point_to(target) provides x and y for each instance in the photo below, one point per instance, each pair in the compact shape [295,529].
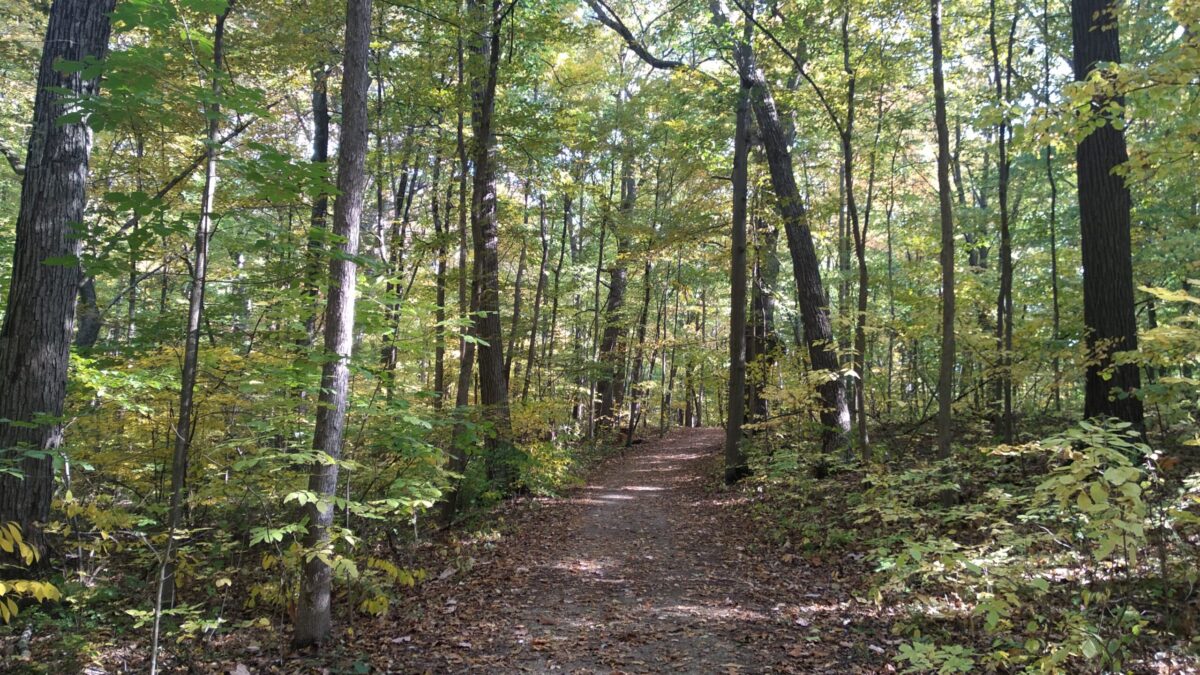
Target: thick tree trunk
[945,390]
[35,340]
[1104,221]
[611,383]
[483,65]
[736,466]
[313,622]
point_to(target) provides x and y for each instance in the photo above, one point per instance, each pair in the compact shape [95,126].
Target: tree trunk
[320,205]
[635,373]
[191,348]
[945,390]
[1004,300]
[611,356]
[537,301]
[483,65]
[736,466]
[439,355]
[1049,154]
[35,340]
[562,251]
[457,453]
[313,622]
[1104,221]
[814,305]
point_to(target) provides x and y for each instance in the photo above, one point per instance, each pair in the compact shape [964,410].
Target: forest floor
[651,566]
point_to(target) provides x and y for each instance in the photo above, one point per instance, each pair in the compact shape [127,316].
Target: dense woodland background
[295,286]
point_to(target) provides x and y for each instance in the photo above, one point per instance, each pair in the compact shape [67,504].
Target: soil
[652,566]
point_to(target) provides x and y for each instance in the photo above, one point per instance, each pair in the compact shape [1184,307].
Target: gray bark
[313,622]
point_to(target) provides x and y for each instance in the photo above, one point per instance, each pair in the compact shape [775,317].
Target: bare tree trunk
[35,340]
[313,621]
[191,348]
[457,460]
[1004,300]
[1104,219]
[945,390]
[736,466]
[537,300]
[635,374]
[562,251]
[483,66]
[611,356]
[814,305]
[516,313]
[1049,153]
[439,356]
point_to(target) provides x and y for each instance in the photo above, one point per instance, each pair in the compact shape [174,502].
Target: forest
[729,336]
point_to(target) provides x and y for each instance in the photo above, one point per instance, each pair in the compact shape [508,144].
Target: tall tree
[483,66]
[35,340]
[945,388]
[182,433]
[806,269]
[736,466]
[1104,222]
[313,622]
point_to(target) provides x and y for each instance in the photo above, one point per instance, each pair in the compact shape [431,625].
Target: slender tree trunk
[635,378]
[1056,334]
[35,340]
[736,466]
[1004,300]
[945,390]
[457,460]
[891,277]
[191,349]
[313,622]
[439,356]
[537,300]
[562,251]
[1104,219]
[516,314]
[814,305]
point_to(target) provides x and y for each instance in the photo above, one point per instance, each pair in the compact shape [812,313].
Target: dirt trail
[641,570]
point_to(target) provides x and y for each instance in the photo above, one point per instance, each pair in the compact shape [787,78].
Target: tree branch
[837,123]
[14,160]
[609,18]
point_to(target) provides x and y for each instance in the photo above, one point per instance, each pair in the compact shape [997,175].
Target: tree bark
[439,229]
[537,301]
[191,348]
[1104,223]
[736,466]
[814,305]
[611,355]
[945,390]
[483,66]
[35,340]
[313,622]
[1002,76]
